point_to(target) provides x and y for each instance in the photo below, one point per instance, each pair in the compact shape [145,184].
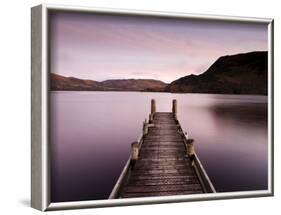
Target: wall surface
[15,105]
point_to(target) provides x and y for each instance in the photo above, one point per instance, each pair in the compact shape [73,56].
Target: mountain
[135,84]
[235,74]
[59,82]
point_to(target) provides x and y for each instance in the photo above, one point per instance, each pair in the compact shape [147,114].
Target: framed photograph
[140,107]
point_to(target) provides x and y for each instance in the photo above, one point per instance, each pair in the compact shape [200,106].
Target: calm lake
[91,134]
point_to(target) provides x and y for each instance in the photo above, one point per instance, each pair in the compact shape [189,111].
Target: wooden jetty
[163,161]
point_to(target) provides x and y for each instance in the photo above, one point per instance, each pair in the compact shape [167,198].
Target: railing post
[134,151]
[190,151]
[153,106]
[174,109]
[145,127]
[150,118]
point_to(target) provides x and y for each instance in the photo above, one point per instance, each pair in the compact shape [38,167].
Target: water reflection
[253,114]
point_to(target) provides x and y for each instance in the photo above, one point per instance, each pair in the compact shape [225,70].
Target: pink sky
[101,47]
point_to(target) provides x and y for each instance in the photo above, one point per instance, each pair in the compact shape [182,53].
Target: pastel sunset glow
[102,47]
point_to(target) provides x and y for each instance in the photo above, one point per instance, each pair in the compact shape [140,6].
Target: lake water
[91,134]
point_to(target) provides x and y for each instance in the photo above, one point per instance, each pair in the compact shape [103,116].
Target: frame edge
[271,71]
[36,111]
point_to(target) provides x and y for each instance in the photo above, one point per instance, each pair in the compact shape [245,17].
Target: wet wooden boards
[162,168]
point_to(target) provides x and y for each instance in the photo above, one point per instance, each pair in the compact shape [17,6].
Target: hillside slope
[235,74]
[59,82]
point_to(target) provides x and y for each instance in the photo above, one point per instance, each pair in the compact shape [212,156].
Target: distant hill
[235,74]
[135,84]
[59,82]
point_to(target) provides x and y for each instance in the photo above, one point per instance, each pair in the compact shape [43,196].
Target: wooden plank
[175,159]
[167,165]
[151,194]
[163,138]
[160,167]
[163,157]
[166,131]
[162,171]
[163,122]
[149,147]
[161,181]
[162,143]
[162,177]
[166,126]
[149,144]
[162,151]
[146,163]
[162,174]
[161,188]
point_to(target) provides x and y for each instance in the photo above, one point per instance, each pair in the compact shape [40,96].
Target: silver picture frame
[40,149]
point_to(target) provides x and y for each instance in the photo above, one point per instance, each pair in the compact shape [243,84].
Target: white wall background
[15,105]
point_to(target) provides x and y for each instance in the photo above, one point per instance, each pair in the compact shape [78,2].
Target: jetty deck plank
[162,168]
